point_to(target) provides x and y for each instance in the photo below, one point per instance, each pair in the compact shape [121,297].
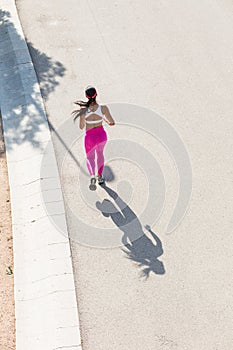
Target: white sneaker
[92,185]
[100,179]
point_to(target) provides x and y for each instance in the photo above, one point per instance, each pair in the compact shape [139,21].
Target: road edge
[46,308]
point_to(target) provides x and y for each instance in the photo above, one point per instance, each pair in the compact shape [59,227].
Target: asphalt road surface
[164,68]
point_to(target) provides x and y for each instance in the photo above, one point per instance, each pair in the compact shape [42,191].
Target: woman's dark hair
[91,94]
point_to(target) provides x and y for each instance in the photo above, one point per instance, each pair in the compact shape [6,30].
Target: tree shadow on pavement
[139,247]
[24,120]
[47,70]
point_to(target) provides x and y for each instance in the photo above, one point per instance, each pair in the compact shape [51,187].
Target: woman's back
[94,116]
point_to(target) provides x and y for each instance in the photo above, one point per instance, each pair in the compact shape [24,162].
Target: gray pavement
[174,58]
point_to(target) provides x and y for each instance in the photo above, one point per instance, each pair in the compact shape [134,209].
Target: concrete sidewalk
[45,300]
[173,58]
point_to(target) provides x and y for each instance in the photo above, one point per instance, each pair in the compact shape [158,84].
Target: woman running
[92,115]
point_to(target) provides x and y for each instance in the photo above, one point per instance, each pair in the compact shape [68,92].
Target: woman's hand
[108,122]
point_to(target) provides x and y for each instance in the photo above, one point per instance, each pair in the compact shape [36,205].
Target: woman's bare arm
[109,119]
[82,121]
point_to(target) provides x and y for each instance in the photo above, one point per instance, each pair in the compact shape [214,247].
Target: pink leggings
[95,140]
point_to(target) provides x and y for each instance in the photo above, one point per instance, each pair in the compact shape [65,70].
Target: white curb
[45,299]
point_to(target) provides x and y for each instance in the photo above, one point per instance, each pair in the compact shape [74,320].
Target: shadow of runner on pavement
[24,121]
[139,247]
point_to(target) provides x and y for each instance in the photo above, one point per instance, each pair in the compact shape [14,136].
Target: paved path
[174,58]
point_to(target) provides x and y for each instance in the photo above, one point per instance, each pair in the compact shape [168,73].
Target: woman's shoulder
[104,108]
